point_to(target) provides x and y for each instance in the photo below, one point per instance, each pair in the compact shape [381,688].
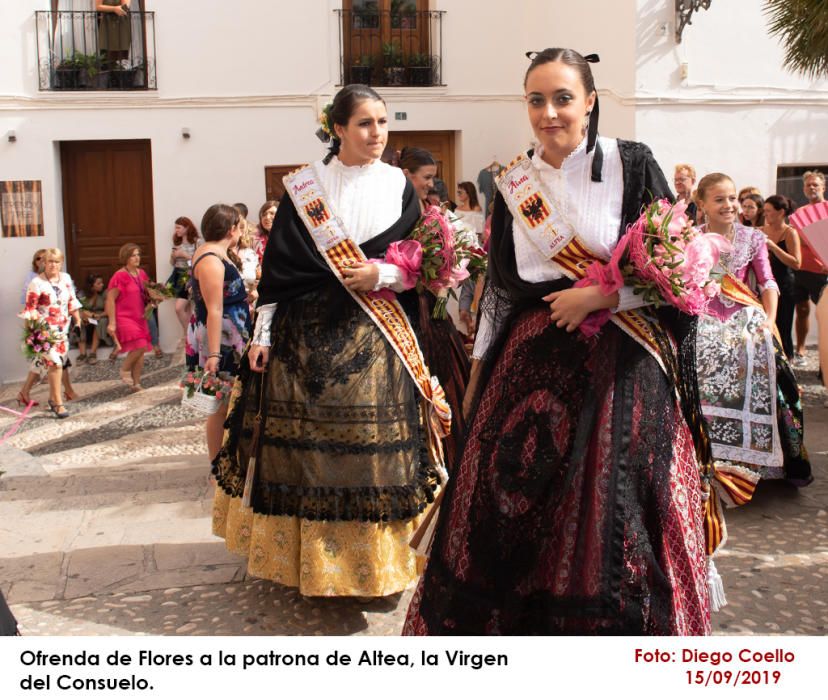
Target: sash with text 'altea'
[541,218]
[340,252]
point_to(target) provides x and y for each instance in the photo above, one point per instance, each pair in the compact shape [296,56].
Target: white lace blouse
[368,200]
[594,208]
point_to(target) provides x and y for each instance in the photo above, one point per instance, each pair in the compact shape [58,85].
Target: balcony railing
[397,49]
[96,51]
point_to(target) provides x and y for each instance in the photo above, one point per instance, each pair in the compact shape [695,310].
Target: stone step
[143,527]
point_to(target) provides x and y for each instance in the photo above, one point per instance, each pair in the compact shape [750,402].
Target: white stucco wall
[738,111]
[248,78]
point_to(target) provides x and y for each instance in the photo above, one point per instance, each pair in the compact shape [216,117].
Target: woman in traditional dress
[576,507]
[51,298]
[749,393]
[441,343]
[340,466]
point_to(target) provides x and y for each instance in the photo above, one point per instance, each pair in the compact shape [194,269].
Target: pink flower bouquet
[38,340]
[664,259]
[218,385]
[437,258]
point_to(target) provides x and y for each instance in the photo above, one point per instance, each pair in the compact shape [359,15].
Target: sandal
[92,359]
[159,352]
[70,395]
[62,413]
[113,355]
[81,357]
[26,400]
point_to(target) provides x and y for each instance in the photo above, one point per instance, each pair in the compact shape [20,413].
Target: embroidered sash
[738,291]
[543,221]
[340,252]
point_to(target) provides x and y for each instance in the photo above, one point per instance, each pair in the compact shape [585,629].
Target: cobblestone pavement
[106,530]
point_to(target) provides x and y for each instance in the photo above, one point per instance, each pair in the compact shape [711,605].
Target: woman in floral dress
[749,393]
[50,297]
[220,325]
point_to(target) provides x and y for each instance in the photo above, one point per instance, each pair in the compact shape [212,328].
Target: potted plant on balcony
[420,69]
[392,62]
[122,77]
[362,69]
[68,73]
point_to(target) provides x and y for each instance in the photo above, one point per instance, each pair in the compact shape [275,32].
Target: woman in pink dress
[125,303]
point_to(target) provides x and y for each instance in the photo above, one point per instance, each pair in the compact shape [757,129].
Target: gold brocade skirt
[320,558]
[343,475]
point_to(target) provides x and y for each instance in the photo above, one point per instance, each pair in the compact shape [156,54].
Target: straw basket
[201,402]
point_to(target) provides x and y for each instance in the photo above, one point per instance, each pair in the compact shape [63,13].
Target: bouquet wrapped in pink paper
[437,257]
[664,259]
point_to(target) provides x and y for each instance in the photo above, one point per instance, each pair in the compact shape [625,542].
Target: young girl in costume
[749,394]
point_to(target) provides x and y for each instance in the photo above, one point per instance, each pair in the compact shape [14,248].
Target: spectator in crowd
[93,318]
[808,285]
[220,326]
[126,301]
[267,213]
[23,396]
[248,264]
[244,224]
[185,241]
[745,191]
[114,31]
[753,213]
[468,208]
[684,179]
[785,257]
[51,298]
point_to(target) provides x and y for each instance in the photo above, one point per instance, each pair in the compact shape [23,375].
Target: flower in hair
[326,132]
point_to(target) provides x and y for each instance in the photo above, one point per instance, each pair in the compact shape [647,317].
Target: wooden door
[274,187]
[439,143]
[107,201]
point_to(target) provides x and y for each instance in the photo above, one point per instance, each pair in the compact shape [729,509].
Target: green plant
[419,60]
[365,61]
[802,27]
[392,56]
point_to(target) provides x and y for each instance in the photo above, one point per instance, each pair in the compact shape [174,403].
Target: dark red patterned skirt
[576,507]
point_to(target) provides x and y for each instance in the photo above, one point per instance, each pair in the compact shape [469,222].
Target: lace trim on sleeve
[264,319]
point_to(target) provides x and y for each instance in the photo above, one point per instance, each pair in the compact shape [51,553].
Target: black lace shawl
[292,266]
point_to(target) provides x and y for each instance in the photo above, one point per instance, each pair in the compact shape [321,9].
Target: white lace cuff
[769,284]
[264,318]
[483,338]
[628,299]
[389,276]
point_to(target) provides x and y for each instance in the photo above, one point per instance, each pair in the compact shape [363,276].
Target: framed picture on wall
[21,208]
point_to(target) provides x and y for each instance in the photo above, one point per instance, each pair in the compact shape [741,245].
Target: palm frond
[802,26]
